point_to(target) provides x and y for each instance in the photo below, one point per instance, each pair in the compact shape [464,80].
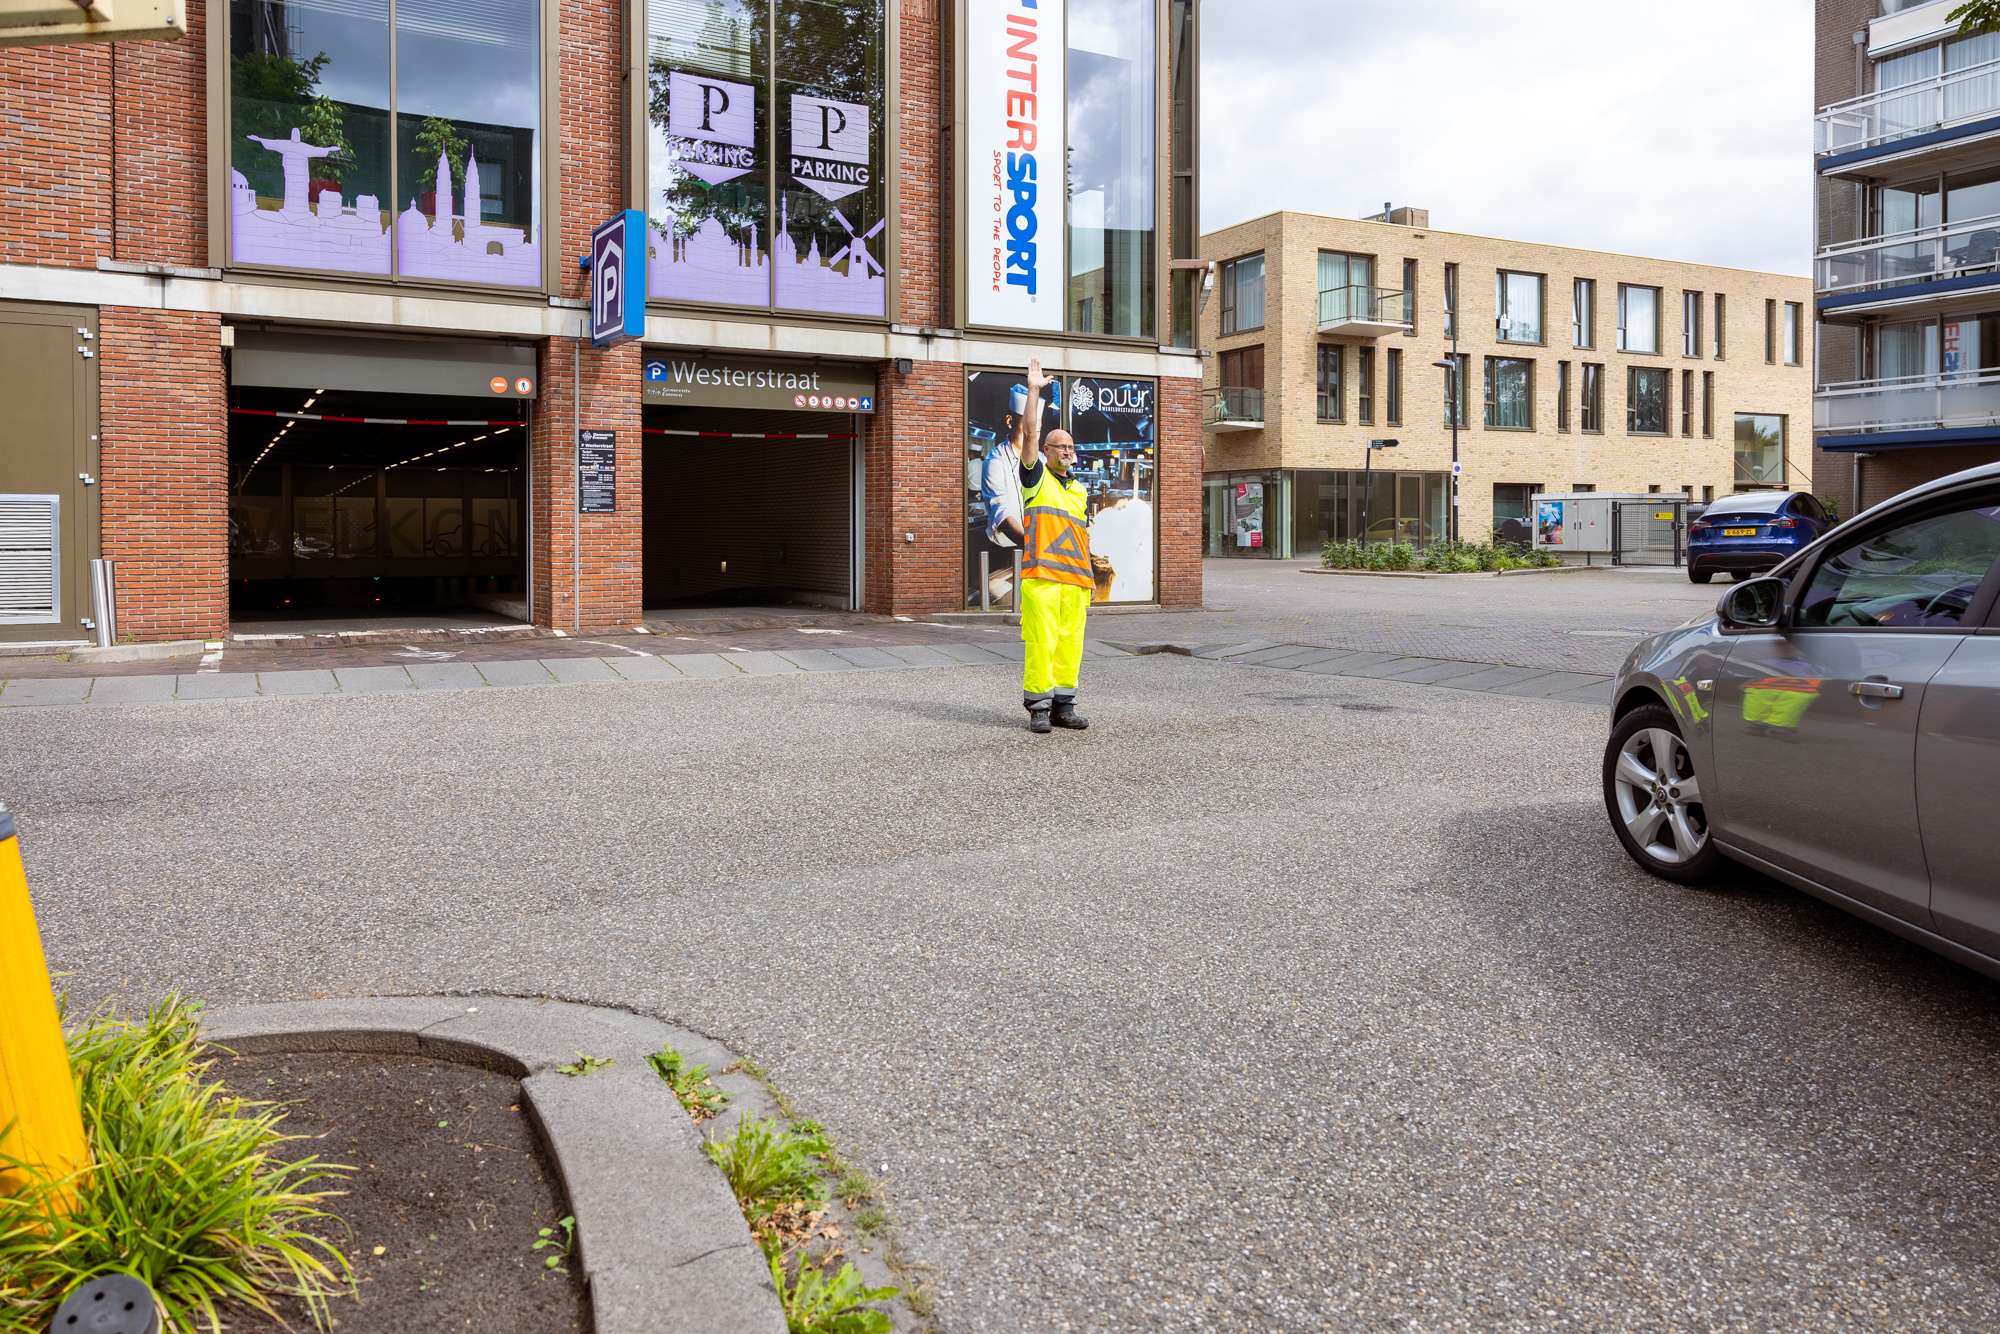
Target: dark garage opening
[354,505]
[749,509]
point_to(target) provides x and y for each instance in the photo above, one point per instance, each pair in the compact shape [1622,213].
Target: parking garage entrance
[377,482]
[753,483]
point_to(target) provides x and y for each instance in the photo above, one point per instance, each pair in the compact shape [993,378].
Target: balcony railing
[1362,311]
[1915,108]
[1923,254]
[1232,409]
[1909,403]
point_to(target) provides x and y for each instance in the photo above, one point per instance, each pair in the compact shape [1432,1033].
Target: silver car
[1836,724]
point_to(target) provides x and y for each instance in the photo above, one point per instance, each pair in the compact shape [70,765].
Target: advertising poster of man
[1113,422]
[994,402]
[1246,514]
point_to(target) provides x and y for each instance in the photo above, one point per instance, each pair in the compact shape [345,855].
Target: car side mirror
[1757,604]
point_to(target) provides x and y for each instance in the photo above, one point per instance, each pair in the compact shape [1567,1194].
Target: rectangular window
[1690,324]
[1332,393]
[1242,295]
[1455,389]
[1513,505]
[1364,386]
[314,184]
[1510,393]
[1591,417]
[1562,396]
[1410,295]
[1450,301]
[1394,388]
[1517,306]
[1687,403]
[1792,311]
[1653,490]
[764,182]
[1771,333]
[1708,495]
[1243,368]
[1638,318]
[1583,312]
[1646,400]
[1112,162]
[1721,323]
[1708,405]
[1760,449]
[1583,488]
[1347,287]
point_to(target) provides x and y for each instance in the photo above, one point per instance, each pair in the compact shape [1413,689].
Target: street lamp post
[1451,401]
[1367,477]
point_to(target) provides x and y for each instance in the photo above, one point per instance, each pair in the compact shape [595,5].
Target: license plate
[1739,532]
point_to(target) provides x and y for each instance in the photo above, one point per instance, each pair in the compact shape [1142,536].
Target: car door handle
[1875,690]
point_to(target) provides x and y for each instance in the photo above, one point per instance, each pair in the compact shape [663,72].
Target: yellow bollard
[40,1121]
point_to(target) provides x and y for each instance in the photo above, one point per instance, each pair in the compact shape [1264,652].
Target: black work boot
[1038,719]
[1065,715]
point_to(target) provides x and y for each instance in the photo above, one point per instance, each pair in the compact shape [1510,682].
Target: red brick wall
[164,471]
[160,126]
[919,193]
[55,155]
[612,568]
[592,150]
[915,451]
[1180,492]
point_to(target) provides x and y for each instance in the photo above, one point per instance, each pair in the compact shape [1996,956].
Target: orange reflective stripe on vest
[1058,544]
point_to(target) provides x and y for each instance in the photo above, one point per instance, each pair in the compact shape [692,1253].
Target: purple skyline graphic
[457,244]
[709,264]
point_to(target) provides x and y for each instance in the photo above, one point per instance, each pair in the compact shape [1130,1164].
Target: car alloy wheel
[1658,797]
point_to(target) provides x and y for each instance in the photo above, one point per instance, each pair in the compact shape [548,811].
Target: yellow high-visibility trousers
[40,1122]
[1052,616]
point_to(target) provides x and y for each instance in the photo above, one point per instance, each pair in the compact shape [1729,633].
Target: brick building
[1576,370]
[293,324]
[1907,276]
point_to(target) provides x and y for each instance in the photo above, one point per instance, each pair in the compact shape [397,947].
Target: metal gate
[1649,532]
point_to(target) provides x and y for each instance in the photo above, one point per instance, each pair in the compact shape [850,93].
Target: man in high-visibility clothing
[1056,579]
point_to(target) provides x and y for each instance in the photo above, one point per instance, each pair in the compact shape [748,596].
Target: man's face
[1061,450]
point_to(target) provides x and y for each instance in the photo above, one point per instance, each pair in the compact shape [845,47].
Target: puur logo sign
[712,124]
[1082,398]
[829,146]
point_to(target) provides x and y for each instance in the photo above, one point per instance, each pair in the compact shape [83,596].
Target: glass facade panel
[1592,417]
[310,184]
[1760,449]
[1583,312]
[708,149]
[468,98]
[1340,505]
[1393,388]
[1456,389]
[1112,166]
[1332,392]
[1243,294]
[1346,285]
[830,238]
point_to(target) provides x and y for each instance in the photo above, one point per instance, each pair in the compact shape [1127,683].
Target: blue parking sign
[618,279]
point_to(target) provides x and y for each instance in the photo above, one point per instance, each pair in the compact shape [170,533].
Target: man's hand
[1037,381]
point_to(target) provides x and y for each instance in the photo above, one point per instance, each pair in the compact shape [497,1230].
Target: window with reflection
[313,183]
[1646,392]
[1509,393]
[1113,178]
[1517,305]
[764,185]
[1638,318]
[1760,449]
[1243,294]
[1919,575]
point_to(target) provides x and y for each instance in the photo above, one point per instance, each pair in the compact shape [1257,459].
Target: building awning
[473,368]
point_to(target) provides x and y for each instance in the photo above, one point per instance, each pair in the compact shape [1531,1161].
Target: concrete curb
[1449,574]
[168,648]
[661,1241]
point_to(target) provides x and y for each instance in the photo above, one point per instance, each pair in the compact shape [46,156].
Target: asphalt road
[1274,1001]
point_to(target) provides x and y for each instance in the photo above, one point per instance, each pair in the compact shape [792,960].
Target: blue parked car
[1749,533]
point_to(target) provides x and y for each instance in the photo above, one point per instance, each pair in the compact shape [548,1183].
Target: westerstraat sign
[829,146]
[699,380]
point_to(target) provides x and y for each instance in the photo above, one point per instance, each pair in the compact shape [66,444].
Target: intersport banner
[1014,163]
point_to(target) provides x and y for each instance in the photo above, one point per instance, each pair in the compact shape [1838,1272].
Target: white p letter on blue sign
[618,279]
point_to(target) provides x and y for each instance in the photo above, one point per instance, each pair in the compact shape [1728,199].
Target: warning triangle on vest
[1065,545]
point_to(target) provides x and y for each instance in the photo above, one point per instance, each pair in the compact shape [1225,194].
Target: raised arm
[1028,431]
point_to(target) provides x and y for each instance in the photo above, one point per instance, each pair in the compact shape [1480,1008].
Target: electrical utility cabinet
[1578,523]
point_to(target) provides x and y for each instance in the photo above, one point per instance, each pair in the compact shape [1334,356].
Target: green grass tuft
[816,1304]
[188,1189]
[768,1167]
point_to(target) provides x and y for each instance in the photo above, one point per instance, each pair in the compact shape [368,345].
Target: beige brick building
[1324,333]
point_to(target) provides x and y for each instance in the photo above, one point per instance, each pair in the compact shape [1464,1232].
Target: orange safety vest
[1058,545]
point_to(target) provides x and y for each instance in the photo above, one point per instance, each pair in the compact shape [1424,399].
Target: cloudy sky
[1680,129]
